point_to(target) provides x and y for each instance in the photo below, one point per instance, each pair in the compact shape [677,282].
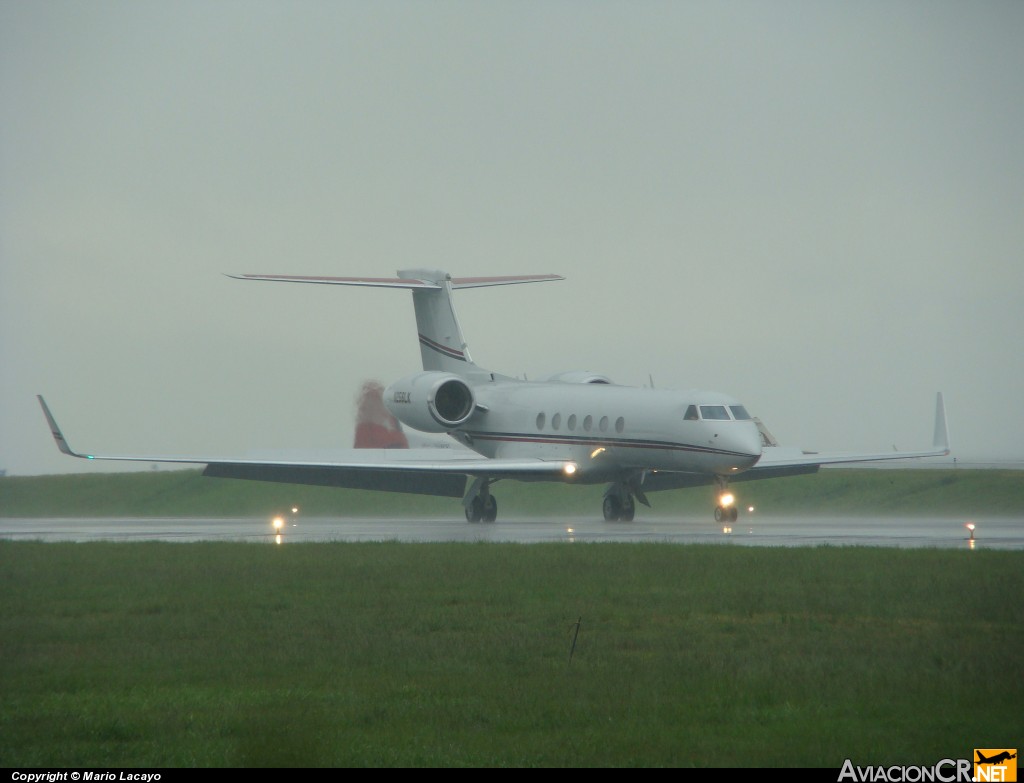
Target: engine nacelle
[578,376]
[430,401]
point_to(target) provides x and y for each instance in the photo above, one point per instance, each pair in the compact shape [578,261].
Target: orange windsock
[376,428]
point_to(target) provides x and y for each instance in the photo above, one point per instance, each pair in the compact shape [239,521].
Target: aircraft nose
[748,442]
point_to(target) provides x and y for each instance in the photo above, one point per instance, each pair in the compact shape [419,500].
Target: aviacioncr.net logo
[995,765]
[944,771]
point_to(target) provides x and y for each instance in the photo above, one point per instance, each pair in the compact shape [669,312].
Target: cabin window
[739,413]
[556,421]
[572,422]
[691,413]
[588,422]
[540,421]
[716,412]
[620,424]
[604,424]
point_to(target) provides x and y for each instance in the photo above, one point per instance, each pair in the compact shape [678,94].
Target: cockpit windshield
[716,413]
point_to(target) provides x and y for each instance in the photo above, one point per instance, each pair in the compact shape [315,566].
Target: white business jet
[575,427]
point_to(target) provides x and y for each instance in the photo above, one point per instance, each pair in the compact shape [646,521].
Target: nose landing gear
[726,510]
[726,514]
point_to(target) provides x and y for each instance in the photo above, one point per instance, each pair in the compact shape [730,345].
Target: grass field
[458,655]
[469,655]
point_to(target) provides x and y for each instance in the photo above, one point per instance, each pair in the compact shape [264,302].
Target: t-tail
[442,345]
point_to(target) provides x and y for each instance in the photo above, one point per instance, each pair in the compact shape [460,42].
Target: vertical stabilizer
[442,346]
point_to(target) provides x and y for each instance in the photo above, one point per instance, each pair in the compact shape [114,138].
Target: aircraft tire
[475,510]
[719,513]
[628,510]
[612,508]
[734,514]
[490,510]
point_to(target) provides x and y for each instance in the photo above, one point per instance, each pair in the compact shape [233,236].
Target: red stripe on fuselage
[607,442]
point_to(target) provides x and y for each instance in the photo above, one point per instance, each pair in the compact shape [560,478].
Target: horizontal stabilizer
[480,282]
[428,281]
[373,282]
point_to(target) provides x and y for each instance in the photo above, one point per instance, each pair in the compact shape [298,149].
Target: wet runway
[1006,533]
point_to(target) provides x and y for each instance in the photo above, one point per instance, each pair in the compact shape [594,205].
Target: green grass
[458,655]
[188,493]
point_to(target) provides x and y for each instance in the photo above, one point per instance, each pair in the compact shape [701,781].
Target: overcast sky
[817,207]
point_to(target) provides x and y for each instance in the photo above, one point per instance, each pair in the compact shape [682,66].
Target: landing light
[726,499]
[278,523]
[569,469]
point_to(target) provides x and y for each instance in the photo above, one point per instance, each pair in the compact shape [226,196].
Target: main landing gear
[480,504]
[618,508]
[620,500]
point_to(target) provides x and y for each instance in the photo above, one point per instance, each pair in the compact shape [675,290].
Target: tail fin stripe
[451,353]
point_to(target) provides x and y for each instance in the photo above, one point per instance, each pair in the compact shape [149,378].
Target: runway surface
[1006,533]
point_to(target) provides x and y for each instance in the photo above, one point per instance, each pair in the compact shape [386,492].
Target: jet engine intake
[430,401]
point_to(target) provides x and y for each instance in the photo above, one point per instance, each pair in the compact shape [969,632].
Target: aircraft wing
[777,460]
[423,471]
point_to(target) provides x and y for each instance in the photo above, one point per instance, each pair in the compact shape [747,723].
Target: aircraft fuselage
[606,429]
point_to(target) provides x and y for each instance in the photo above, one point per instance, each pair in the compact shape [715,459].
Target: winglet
[941,438]
[58,436]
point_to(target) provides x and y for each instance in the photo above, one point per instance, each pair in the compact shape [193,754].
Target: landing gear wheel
[612,508]
[628,509]
[723,514]
[490,512]
[618,508]
[475,510]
